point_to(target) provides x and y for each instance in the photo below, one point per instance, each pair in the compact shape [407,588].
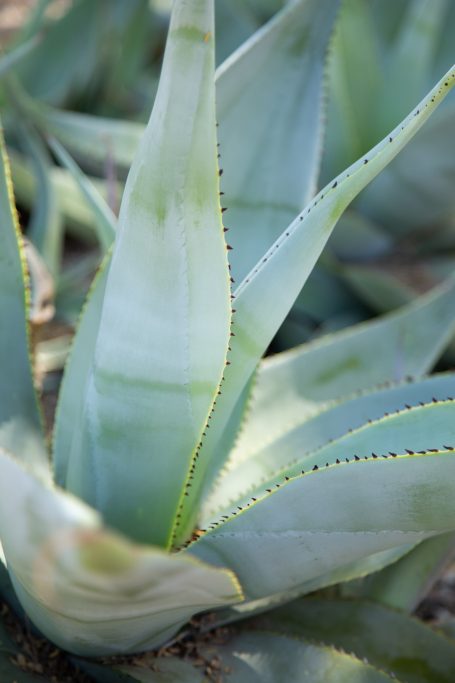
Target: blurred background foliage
[86,71]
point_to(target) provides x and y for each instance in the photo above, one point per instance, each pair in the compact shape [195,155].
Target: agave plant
[173,492]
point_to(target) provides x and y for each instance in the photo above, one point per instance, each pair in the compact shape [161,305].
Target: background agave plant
[396,241]
[176,488]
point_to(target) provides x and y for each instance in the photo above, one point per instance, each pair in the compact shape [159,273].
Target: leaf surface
[327,432]
[404,343]
[265,296]
[268,657]
[269,102]
[105,219]
[90,591]
[165,322]
[399,645]
[314,523]
[20,419]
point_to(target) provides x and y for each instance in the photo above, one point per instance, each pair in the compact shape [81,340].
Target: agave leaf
[419,183]
[48,78]
[269,96]
[146,407]
[404,584]
[262,458]
[105,219]
[46,227]
[234,23]
[17,54]
[69,415]
[314,523]
[350,116]
[265,657]
[268,657]
[405,343]
[73,286]
[379,288]
[395,643]
[90,591]
[93,137]
[77,215]
[352,570]
[261,306]
[412,53]
[395,433]
[20,419]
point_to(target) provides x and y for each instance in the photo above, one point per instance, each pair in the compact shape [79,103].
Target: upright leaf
[20,421]
[105,219]
[165,323]
[269,101]
[260,304]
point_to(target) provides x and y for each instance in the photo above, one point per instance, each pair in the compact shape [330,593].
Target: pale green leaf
[269,100]
[416,428]
[351,126]
[46,77]
[405,343]
[105,219]
[320,521]
[20,419]
[88,590]
[234,23]
[257,459]
[17,54]
[404,584]
[419,183]
[401,646]
[269,657]
[45,229]
[93,137]
[77,215]
[167,305]
[261,305]
[412,53]
[70,407]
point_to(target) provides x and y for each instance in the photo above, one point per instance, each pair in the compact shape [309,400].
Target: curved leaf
[399,645]
[261,305]
[71,400]
[88,590]
[46,226]
[273,451]
[20,419]
[105,220]
[317,522]
[404,343]
[404,584]
[263,657]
